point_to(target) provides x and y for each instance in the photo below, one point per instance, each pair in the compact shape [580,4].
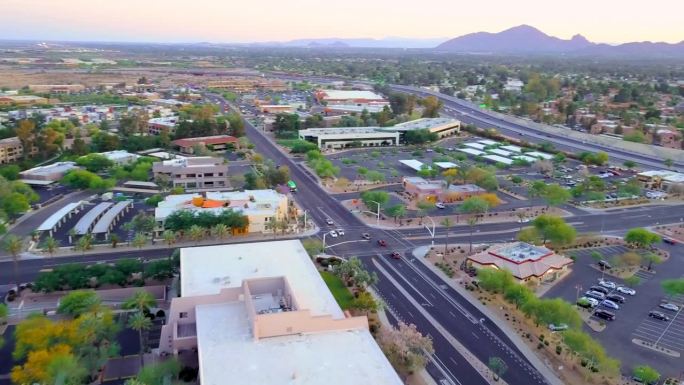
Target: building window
[183,314]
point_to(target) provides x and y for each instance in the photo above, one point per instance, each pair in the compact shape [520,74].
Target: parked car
[329,221]
[340,232]
[587,302]
[395,255]
[669,306]
[440,205]
[604,265]
[365,236]
[616,298]
[669,241]
[595,294]
[558,328]
[626,290]
[604,314]
[610,304]
[600,289]
[333,233]
[381,242]
[658,315]
[607,284]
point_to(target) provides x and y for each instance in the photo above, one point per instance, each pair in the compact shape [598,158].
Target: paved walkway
[547,372]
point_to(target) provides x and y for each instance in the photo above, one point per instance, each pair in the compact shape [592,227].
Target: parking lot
[632,320]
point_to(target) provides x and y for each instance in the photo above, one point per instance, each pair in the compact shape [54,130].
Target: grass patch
[289,143]
[342,295]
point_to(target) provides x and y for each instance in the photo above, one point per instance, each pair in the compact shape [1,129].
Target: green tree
[139,240]
[370,197]
[472,221]
[50,245]
[630,164]
[632,281]
[114,240]
[431,106]
[555,195]
[554,229]
[640,237]
[673,287]
[652,259]
[497,366]
[396,211]
[220,231]
[79,302]
[668,163]
[141,301]
[139,322]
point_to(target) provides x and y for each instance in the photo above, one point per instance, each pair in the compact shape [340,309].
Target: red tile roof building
[213,143]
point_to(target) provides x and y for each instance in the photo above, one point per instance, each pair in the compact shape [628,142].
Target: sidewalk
[548,373]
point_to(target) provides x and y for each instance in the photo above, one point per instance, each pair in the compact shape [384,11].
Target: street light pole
[377,218]
[432,233]
[324,234]
[305,220]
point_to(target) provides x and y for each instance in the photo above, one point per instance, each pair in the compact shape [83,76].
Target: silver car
[669,306]
[610,304]
[626,290]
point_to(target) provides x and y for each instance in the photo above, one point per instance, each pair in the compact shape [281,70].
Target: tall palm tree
[114,239]
[447,222]
[140,323]
[139,240]
[141,301]
[220,231]
[14,245]
[196,233]
[472,221]
[50,245]
[169,237]
[85,243]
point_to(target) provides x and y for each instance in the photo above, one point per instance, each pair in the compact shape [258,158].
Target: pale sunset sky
[225,21]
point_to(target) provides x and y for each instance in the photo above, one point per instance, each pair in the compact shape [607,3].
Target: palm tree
[50,245]
[472,221]
[169,237]
[14,245]
[196,233]
[220,231]
[114,239]
[139,240]
[141,300]
[139,322]
[283,226]
[521,216]
[85,243]
[271,225]
[447,222]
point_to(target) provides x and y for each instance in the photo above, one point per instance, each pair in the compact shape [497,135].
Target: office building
[193,174]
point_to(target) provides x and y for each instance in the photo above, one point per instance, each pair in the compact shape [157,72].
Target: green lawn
[342,295]
[289,143]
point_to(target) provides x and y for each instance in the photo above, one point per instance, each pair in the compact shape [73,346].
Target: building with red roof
[216,143]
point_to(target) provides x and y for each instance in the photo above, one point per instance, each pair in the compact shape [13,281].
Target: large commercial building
[249,84]
[344,100]
[156,126]
[11,150]
[49,173]
[443,127]
[194,174]
[22,100]
[260,314]
[526,262]
[215,143]
[261,207]
[341,137]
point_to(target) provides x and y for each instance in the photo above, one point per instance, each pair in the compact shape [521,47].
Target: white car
[523,220]
[329,221]
[669,306]
[607,284]
[440,205]
[626,290]
[610,304]
[340,232]
[333,233]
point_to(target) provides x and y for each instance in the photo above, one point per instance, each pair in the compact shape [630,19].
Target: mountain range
[525,39]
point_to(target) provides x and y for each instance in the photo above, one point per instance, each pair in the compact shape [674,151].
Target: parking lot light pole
[579,288]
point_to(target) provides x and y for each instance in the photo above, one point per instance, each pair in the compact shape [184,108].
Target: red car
[395,255]
[382,242]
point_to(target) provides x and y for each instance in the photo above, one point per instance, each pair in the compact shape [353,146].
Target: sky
[233,21]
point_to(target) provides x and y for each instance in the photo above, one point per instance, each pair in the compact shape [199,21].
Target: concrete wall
[301,322]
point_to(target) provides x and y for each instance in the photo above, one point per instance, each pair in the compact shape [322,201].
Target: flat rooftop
[522,252]
[425,123]
[350,94]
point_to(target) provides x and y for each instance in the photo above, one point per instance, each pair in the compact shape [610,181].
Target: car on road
[366,236]
[395,255]
[669,306]
[617,298]
[440,205]
[658,315]
[595,294]
[333,233]
[604,314]
[382,243]
[329,221]
[626,290]
[607,284]
[604,265]
[587,302]
[340,232]
[669,241]
[523,220]
[600,289]
[610,304]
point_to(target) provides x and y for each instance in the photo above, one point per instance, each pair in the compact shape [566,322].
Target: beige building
[56,88]
[260,314]
[194,174]
[11,150]
[261,207]
[22,100]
